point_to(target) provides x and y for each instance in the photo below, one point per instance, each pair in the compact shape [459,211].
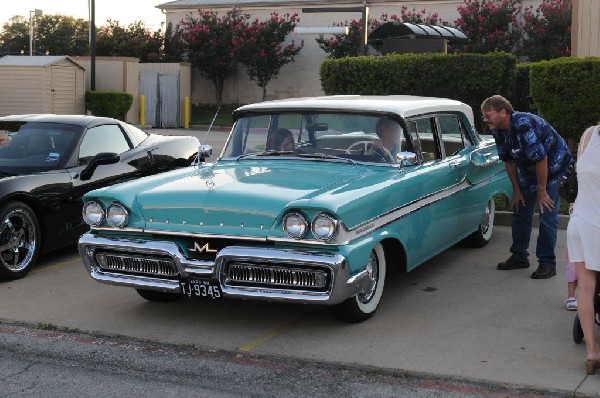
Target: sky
[124,11]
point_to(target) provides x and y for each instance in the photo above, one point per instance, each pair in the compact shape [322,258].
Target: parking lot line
[271,335]
[56,265]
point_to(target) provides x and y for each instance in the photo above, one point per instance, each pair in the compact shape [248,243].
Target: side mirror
[406,158]
[204,151]
[103,158]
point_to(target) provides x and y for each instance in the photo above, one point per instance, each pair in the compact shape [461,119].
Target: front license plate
[201,288]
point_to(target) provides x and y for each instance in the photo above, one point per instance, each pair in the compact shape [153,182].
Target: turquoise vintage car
[313,200]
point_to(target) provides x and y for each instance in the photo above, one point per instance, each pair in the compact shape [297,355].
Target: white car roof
[403,105]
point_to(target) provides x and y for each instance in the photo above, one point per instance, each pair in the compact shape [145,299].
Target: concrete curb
[503,218]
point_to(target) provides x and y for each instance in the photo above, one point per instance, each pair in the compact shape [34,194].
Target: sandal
[571,304]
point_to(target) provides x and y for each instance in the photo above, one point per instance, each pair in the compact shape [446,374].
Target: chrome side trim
[345,235]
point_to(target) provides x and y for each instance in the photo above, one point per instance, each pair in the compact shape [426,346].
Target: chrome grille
[136,264]
[266,275]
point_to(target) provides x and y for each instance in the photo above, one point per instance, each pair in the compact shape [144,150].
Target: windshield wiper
[325,156]
[265,153]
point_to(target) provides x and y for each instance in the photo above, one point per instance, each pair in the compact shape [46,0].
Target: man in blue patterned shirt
[535,157]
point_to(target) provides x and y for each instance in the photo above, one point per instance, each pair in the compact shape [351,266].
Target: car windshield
[28,147]
[326,136]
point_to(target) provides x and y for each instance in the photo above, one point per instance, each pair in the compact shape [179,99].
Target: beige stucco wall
[301,77]
[115,74]
[585,28]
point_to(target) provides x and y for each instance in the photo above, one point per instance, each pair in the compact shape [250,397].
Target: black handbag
[567,186]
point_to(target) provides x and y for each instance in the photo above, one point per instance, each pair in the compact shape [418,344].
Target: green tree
[14,37]
[62,35]
[54,35]
[174,47]
[260,48]
[211,47]
[134,41]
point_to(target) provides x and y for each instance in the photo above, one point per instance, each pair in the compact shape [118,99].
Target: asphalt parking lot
[454,316]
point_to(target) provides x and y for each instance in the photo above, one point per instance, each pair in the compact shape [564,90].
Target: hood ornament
[210,184]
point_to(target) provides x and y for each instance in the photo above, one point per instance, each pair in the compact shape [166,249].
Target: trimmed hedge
[113,104]
[522,100]
[566,92]
[469,78]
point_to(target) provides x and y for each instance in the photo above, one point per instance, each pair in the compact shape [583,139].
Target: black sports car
[47,163]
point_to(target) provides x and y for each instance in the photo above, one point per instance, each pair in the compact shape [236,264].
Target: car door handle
[455,164]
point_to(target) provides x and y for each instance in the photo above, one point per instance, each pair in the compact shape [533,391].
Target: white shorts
[583,243]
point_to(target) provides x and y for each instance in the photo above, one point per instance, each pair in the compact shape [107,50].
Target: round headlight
[295,225]
[116,215]
[324,227]
[93,214]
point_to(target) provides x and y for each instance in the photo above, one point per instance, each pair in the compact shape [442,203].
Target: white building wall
[301,77]
[585,27]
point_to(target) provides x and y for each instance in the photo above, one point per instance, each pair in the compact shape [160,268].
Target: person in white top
[583,238]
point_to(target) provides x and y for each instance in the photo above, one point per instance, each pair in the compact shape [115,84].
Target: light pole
[37,13]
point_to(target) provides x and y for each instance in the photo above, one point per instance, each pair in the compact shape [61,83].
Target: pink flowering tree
[212,45]
[339,45]
[491,25]
[260,47]
[547,31]
[136,40]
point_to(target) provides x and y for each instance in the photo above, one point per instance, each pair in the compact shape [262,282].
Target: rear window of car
[137,135]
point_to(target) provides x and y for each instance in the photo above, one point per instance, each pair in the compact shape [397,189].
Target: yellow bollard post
[186,112]
[142,110]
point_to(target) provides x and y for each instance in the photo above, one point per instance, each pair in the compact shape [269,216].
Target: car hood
[241,198]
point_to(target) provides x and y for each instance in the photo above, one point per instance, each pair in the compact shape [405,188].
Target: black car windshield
[324,136]
[27,147]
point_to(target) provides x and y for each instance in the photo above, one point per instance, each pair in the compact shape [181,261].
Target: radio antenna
[211,124]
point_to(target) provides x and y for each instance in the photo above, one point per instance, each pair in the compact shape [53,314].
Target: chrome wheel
[19,240]
[372,269]
[483,235]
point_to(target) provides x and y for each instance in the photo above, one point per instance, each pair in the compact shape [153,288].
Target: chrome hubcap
[373,273]
[485,220]
[17,241]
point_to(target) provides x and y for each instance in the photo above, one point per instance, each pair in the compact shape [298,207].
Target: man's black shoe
[513,263]
[544,271]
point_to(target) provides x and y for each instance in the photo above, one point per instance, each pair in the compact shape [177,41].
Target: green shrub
[522,100]
[108,103]
[469,78]
[566,92]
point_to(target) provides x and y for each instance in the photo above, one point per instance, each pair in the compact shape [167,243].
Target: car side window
[426,141]
[105,138]
[452,133]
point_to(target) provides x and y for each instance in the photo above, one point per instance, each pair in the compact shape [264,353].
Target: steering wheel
[356,147]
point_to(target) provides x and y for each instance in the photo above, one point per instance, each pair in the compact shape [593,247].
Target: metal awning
[406,30]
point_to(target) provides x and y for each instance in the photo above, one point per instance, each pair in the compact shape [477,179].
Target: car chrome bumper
[243,272]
